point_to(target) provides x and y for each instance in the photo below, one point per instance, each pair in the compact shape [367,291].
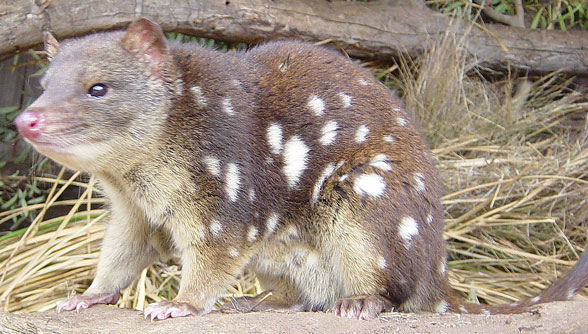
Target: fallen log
[375,29]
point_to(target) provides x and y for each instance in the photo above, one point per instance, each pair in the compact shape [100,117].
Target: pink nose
[30,124]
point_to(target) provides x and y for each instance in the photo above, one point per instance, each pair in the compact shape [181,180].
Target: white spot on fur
[283,66]
[382,262]
[345,99]
[233,252]
[343,177]
[198,96]
[380,162]
[369,184]
[318,186]
[179,87]
[363,82]
[441,307]
[212,164]
[572,293]
[329,133]
[419,183]
[295,160]
[251,195]
[317,105]
[232,181]
[400,120]
[272,222]
[361,134]
[429,219]
[274,138]
[463,309]
[442,267]
[389,139]
[252,233]
[215,228]
[408,229]
[228,106]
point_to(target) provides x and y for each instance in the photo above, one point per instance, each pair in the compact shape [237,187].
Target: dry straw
[512,167]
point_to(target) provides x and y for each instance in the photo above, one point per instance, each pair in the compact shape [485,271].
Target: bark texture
[381,28]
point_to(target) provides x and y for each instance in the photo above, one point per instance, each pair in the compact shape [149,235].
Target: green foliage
[16,193]
[19,192]
[7,131]
[457,8]
[560,14]
[563,14]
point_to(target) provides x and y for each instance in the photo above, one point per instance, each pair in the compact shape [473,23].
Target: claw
[363,307]
[81,306]
[169,309]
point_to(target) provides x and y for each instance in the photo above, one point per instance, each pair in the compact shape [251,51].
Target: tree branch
[517,20]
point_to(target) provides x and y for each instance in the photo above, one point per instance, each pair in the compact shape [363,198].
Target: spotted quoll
[287,160]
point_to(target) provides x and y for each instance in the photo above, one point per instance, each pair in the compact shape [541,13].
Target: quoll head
[104,95]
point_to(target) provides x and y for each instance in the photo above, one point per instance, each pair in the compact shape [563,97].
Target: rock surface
[560,317]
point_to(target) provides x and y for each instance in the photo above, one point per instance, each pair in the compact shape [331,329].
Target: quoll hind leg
[280,296]
[363,307]
[263,302]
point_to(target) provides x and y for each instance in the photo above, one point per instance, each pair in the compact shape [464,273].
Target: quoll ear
[51,45]
[146,40]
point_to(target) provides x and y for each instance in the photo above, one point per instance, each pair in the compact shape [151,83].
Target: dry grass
[514,171]
[514,175]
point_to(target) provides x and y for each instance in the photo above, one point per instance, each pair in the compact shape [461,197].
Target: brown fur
[227,159]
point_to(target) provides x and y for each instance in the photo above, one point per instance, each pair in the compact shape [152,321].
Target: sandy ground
[561,317]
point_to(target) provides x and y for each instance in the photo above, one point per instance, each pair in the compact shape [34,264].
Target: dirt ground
[560,317]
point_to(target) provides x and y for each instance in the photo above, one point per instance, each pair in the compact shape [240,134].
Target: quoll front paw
[362,307]
[170,309]
[85,301]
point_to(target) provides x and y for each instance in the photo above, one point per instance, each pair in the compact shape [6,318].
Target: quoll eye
[98,90]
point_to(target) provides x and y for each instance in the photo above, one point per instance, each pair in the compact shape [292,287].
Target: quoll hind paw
[81,302]
[170,309]
[362,307]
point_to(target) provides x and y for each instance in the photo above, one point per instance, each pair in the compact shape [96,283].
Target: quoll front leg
[205,276]
[125,252]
